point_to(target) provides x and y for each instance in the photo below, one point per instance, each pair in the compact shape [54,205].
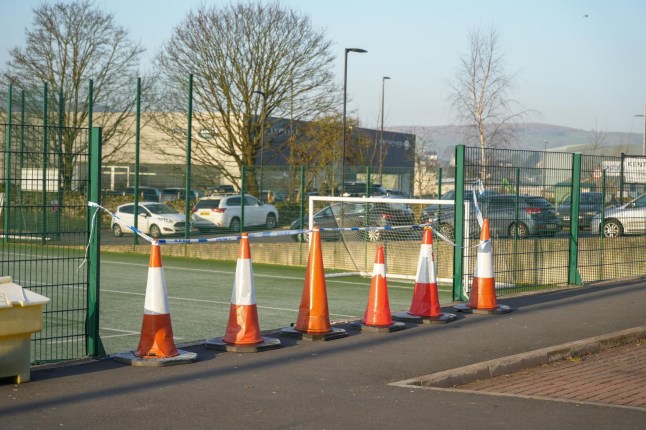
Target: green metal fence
[529,253]
[46,231]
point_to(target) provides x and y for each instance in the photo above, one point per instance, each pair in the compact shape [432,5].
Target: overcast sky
[580,64]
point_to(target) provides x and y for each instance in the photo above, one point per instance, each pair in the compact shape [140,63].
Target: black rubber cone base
[129,357]
[361,326]
[500,309]
[334,333]
[440,319]
[219,344]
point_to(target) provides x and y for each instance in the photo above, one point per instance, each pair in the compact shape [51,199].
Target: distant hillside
[533,136]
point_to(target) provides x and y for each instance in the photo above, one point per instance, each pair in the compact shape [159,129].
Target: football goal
[351,229]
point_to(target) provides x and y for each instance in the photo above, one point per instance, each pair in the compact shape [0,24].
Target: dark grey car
[536,217]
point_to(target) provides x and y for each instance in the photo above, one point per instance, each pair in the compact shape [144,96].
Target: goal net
[351,229]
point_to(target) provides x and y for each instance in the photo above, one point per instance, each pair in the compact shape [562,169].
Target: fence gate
[47,182]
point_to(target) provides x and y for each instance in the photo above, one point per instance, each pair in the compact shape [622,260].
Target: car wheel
[373,235]
[234,224]
[270,222]
[116,230]
[612,228]
[302,238]
[447,231]
[155,232]
[523,230]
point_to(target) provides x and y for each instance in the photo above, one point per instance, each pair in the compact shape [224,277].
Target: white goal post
[353,227]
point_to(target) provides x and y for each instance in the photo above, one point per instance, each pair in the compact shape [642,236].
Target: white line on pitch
[218,302]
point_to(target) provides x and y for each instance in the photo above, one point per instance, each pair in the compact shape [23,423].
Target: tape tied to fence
[264,233]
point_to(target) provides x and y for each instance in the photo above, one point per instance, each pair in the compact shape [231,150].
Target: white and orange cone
[425,306]
[243,330]
[313,322]
[378,317]
[482,298]
[156,344]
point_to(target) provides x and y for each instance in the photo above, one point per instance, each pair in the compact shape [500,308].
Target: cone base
[439,319]
[334,333]
[129,357]
[361,326]
[499,309]
[219,344]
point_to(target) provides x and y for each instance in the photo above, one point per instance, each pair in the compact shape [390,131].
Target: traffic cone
[482,298]
[378,317]
[425,306]
[313,322]
[156,344]
[243,331]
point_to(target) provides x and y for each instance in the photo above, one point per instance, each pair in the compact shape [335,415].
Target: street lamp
[262,136]
[381,145]
[644,144]
[345,101]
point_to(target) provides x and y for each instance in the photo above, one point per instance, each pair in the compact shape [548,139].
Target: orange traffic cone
[243,331]
[156,344]
[313,322]
[482,298]
[378,317]
[425,306]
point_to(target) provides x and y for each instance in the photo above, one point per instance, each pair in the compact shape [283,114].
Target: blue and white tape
[269,233]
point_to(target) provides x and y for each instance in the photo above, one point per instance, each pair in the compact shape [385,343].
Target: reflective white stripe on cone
[156,332]
[243,327]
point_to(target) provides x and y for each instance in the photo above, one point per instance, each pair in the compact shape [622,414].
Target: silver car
[625,219]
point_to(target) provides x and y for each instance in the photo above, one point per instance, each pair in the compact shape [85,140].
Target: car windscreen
[208,204]
[160,209]
[591,199]
[538,202]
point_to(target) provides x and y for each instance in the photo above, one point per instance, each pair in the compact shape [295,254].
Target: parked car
[224,212]
[396,193]
[590,204]
[354,215]
[155,219]
[430,211]
[148,194]
[358,189]
[221,189]
[536,217]
[178,193]
[629,218]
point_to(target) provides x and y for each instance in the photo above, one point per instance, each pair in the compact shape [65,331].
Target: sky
[577,63]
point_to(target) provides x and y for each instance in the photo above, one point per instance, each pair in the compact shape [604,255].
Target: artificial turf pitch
[199,295]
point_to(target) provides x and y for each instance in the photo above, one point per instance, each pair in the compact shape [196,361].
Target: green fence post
[603,217]
[574,277]
[44,165]
[516,215]
[60,164]
[135,236]
[21,163]
[189,141]
[7,175]
[242,197]
[458,251]
[94,346]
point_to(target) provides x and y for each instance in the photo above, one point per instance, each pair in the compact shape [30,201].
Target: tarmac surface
[356,382]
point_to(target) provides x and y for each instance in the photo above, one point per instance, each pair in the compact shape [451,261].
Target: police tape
[275,233]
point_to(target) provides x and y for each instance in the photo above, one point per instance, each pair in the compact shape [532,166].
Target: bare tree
[480,94]
[236,53]
[69,44]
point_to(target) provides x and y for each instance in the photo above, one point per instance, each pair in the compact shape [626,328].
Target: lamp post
[345,101]
[262,136]
[644,142]
[381,143]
